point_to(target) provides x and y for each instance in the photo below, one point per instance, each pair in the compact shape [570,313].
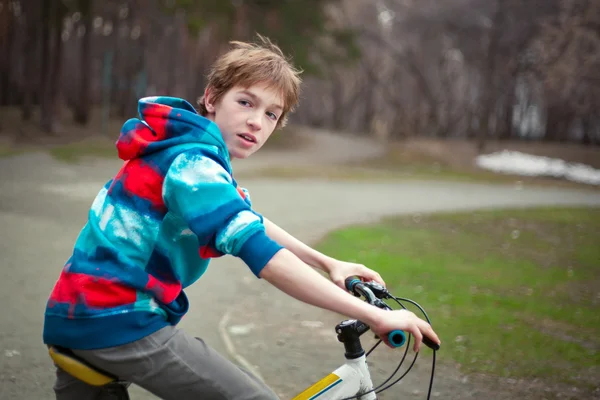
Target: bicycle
[352,380]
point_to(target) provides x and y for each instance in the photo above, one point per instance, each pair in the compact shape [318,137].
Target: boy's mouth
[247,137]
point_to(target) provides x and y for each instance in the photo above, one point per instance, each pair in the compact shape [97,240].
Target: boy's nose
[254,122]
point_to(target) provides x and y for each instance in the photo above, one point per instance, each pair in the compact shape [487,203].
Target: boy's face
[246,117]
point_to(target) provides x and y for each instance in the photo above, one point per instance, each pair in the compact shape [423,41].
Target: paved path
[43,205]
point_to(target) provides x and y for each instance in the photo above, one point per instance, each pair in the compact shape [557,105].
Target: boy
[174,205]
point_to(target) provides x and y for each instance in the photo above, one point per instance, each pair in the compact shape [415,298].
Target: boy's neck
[211,116]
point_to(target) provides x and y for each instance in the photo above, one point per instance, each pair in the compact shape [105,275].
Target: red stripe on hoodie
[142,180]
[165,292]
[92,291]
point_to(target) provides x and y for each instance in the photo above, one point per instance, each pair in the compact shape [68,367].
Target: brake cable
[397,299]
[380,388]
[377,389]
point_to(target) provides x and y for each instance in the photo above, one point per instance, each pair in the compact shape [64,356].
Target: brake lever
[381,292]
[378,290]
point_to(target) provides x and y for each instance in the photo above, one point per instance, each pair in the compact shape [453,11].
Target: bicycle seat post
[349,332]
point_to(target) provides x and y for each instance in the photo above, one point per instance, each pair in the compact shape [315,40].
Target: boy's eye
[244,103]
[271,115]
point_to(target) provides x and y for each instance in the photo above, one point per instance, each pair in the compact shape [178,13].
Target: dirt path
[292,345]
[43,206]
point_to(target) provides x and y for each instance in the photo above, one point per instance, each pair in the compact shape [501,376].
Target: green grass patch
[93,147]
[435,172]
[512,293]
[6,151]
[452,161]
[404,164]
[331,172]
[376,172]
[287,138]
[104,147]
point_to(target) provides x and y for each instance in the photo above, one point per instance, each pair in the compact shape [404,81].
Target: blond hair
[247,64]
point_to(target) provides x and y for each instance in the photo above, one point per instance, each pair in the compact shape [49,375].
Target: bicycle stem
[349,332]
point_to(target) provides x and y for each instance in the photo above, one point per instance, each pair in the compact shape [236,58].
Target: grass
[439,160]
[91,147]
[413,164]
[374,172]
[8,151]
[455,160]
[74,142]
[512,293]
[70,143]
[420,173]
[104,147]
[286,138]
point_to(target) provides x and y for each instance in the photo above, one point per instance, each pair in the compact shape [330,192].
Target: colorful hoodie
[152,230]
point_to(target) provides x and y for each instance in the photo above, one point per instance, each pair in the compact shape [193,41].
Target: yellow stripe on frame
[317,387]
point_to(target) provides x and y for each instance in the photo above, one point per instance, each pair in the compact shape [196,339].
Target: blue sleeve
[198,188]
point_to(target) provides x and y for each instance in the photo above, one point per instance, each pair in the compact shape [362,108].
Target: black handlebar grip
[430,343]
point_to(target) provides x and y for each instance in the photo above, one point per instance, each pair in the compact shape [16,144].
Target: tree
[53,13]
[7,38]
[567,58]
[32,18]
[83,105]
[300,28]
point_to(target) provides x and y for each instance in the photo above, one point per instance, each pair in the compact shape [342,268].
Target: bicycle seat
[78,368]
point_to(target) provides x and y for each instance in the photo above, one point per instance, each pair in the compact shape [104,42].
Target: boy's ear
[208,101]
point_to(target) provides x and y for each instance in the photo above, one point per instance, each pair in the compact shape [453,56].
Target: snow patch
[514,162]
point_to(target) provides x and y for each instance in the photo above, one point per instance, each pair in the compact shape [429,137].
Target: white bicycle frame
[351,379]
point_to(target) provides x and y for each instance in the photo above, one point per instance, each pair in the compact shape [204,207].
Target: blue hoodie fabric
[152,231]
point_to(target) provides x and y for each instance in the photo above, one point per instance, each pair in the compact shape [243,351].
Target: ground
[44,202]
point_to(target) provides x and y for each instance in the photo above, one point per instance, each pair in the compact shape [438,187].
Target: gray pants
[171,365]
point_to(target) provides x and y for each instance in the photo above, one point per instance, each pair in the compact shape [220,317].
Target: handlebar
[397,338]
[373,293]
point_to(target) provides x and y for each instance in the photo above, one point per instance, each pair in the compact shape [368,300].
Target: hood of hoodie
[165,122]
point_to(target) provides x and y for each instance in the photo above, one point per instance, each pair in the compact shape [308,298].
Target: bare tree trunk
[471,118]
[488,79]
[565,133]
[240,23]
[46,71]
[368,110]
[431,118]
[507,129]
[132,62]
[139,66]
[52,84]
[29,56]
[82,107]
[557,124]
[7,35]
[337,93]
[586,127]
[553,119]
[369,88]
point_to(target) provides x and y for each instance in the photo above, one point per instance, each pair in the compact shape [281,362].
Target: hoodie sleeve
[200,190]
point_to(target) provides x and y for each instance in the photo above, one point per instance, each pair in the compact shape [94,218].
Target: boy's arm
[201,191]
[295,278]
[304,252]
[338,270]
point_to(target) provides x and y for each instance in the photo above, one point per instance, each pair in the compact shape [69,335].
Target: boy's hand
[406,321]
[340,270]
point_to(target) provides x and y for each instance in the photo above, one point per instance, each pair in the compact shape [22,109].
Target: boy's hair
[247,64]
